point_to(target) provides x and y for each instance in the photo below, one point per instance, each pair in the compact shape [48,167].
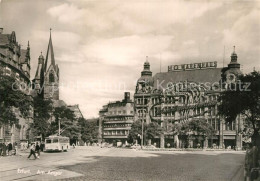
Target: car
[136,146]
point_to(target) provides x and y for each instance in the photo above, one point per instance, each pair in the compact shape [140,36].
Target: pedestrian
[15,148]
[42,146]
[37,149]
[1,148]
[10,148]
[73,145]
[32,151]
[4,149]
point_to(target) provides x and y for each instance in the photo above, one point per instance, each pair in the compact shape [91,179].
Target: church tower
[39,77]
[51,74]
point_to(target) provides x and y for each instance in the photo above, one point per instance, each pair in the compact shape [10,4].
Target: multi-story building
[76,110]
[184,93]
[102,114]
[117,119]
[15,62]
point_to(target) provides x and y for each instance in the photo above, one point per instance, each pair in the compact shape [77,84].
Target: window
[51,78]
[48,141]
[55,140]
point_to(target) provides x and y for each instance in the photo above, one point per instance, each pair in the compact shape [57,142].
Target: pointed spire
[234,55]
[146,58]
[51,52]
[28,52]
[40,67]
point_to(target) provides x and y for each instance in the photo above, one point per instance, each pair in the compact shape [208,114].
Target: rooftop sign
[192,66]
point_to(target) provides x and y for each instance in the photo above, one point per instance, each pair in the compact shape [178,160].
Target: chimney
[127,97]
[1,30]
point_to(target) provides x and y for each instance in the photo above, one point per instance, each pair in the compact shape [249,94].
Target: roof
[197,76]
[4,39]
[2,51]
[50,52]
[23,56]
[58,103]
[76,110]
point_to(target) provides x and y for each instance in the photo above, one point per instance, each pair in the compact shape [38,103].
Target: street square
[94,163]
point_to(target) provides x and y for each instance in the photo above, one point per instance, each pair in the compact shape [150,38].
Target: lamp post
[59,126]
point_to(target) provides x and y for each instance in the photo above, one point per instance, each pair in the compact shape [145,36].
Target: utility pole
[142,140]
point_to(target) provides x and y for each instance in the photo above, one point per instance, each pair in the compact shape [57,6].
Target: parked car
[136,146]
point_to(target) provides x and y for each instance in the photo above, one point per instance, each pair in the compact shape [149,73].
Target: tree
[135,132]
[89,131]
[195,126]
[243,98]
[150,131]
[12,98]
[68,123]
[153,129]
[42,114]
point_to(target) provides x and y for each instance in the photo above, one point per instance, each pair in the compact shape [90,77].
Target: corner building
[15,62]
[184,93]
[117,118]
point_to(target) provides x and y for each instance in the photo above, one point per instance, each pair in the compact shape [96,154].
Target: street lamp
[59,126]
[142,140]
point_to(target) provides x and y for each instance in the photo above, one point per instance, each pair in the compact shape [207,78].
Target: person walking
[37,149]
[32,151]
[4,149]
[10,148]
[42,146]
[1,148]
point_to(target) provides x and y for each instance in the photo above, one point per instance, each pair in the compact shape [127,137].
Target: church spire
[50,52]
[39,67]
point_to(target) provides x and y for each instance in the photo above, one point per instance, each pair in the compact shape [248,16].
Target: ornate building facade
[185,93]
[15,62]
[116,119]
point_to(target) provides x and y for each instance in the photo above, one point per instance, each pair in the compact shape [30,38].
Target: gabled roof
[4,39]
[2,51]
[58,103]
[23,56]
[197,76]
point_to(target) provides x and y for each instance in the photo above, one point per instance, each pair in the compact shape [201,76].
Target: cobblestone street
[93,163]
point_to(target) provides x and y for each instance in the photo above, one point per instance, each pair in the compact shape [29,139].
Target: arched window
[51,77]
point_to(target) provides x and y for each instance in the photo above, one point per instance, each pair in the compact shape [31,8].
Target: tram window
[48,141]
[55,140]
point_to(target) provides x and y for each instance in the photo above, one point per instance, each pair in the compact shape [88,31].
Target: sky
[100,46]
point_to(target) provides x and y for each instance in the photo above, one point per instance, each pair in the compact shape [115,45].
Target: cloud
[67,13]
[101,42]
[129,18]
[127,50]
